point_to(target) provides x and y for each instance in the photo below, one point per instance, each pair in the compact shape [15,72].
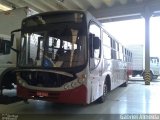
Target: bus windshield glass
[61,45]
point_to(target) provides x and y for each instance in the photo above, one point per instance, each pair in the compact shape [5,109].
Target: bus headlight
[71,85]
[67,86]
[81,79]
[74,84]
[77,82]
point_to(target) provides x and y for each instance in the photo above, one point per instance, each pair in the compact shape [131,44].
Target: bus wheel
[103,97]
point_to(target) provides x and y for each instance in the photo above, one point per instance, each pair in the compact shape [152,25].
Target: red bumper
[74,96]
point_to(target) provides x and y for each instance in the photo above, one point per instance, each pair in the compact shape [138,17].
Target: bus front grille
[45,79]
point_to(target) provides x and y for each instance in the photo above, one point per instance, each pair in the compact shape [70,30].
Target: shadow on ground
[4,99]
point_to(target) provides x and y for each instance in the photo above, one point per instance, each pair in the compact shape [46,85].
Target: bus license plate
[44,94]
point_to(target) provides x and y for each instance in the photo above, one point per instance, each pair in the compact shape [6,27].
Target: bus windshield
[154,60]
[63,45]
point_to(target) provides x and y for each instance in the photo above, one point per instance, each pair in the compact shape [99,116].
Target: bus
[68,57]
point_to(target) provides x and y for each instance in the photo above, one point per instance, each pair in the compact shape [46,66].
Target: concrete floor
[137,98]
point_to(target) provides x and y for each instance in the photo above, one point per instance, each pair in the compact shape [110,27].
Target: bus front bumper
[74,96]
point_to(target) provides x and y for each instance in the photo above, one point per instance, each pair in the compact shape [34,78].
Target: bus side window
[95,51]
[94,44]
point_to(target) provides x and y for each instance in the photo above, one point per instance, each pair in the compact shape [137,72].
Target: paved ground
[137,98]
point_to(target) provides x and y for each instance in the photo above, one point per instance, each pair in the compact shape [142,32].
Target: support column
[147,73]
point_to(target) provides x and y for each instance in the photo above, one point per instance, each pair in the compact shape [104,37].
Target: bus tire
[103,97]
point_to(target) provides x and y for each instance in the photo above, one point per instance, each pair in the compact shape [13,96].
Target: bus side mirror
[12,35]
[96,42]
[5,47]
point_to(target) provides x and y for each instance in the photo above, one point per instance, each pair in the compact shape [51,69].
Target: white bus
[67,57]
